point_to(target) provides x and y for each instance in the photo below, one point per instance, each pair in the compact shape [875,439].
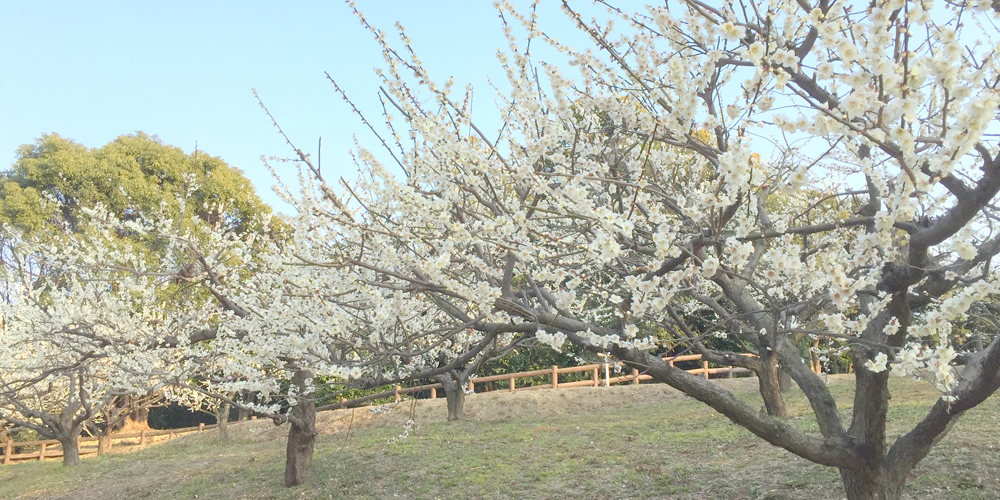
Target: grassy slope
[619,442]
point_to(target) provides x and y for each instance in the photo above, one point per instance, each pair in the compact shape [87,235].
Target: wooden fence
[51,448]
[600,377]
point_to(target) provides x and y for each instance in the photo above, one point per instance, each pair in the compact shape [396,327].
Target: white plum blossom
[553,340]
[878,364]
[709,267]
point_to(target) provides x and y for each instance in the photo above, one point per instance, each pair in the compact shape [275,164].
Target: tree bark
[814,363]
[67,430]
[71,449]
[455,395]
[302,434]
[784,380]
[222,420]
[871,484]
[769,382]
[103,443]
[769,379]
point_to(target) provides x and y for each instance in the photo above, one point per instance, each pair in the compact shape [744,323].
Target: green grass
[640,442]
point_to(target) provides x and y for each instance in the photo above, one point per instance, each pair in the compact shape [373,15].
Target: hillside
[644,441]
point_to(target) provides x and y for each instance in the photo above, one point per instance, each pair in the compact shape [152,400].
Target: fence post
[512,383]
[635,375]
[142,437]
[472,386]
[704,365]
[343,403]
[41,453]
[434,393]
[8,449]
[201,426]
[597,377]
[607,375]
[555,376]
[396,391]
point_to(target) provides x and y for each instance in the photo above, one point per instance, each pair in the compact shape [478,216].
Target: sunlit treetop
[134,174]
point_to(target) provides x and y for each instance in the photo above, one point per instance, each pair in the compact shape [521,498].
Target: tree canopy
[134,174]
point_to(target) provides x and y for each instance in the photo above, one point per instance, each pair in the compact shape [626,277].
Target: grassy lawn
[644,441]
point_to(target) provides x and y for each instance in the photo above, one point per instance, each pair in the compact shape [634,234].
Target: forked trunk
[871,484]
[455,394]
[71,449]
[302,434]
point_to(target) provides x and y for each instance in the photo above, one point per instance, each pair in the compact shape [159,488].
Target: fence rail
[51,448]
[596,380]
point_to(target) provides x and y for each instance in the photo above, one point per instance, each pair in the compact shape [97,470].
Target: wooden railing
[51,448]
[600,377]
[596,380]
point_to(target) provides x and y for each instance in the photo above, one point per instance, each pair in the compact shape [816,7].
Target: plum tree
[867,221]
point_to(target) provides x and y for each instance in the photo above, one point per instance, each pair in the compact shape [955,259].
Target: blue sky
[183,70]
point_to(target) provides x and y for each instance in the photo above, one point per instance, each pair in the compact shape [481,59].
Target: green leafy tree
[133,174]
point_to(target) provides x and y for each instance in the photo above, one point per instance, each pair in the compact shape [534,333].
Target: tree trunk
[249,397]
[456,403]
[138,419]
[814,362]
[784,380]
[103,443]
[770,387]
[871,484]
[455,394]
[302,434]
[222,420]
[71,449]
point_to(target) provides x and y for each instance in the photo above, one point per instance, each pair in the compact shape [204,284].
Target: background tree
[133,176]
[72,345]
